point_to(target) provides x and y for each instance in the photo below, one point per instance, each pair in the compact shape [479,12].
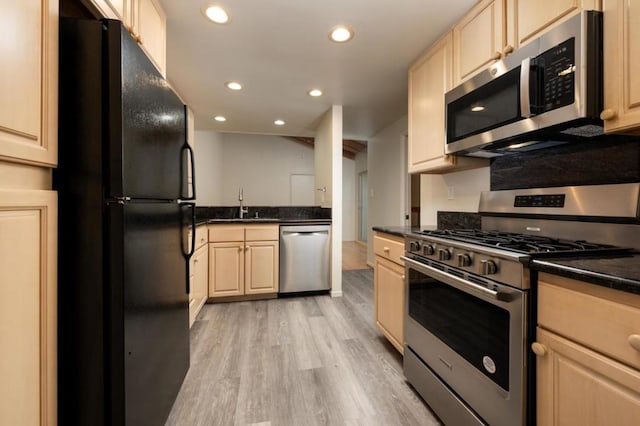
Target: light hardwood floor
[354,255]
[312,360]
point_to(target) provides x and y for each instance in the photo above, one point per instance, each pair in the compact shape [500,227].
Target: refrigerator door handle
[192,244]
[189,158]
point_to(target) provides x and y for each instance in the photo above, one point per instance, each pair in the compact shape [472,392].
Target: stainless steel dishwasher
[304,258]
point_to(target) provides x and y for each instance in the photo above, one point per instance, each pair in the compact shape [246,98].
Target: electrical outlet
[451,193]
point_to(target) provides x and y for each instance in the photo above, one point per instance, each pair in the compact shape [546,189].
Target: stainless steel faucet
[243,210]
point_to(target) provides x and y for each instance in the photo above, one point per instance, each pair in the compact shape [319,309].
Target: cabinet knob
[608,114]
[507,49]
[634,341]
[240,248]
[496,56]
[386,249]
[539,349]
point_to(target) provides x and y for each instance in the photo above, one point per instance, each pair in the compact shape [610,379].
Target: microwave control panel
[557,68]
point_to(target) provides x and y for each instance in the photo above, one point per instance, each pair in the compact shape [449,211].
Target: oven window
[477,330]
[493,105]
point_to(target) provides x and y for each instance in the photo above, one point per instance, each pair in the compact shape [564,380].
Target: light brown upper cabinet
[150,30]
[528,19]
[29,81]
[146,22]
[621,66]
[492,29]
[115,9]
[478,39]
[429,78]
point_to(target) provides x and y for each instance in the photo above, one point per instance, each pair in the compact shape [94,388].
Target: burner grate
[522,243]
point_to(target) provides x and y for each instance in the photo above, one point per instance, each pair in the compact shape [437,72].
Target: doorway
[362,206]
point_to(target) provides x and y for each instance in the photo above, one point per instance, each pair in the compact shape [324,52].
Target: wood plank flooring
[354,255]
[312,360]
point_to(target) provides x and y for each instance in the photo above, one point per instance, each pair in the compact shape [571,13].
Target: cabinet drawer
[597,317]
[262,232]
[389,247]
[201,236]
[223,233]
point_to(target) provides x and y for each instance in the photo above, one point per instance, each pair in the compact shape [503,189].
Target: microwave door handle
[525,96]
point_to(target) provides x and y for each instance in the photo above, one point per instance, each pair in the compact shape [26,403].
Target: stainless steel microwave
[548,92]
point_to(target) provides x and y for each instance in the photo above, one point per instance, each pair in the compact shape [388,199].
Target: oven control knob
[444,254]
[428,249]
[414,246]
[464,260]
[489,267]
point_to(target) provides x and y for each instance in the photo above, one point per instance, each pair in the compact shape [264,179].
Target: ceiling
[280,49]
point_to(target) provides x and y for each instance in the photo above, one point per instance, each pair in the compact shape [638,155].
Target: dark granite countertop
[620,272]
[282,221]
[401,231]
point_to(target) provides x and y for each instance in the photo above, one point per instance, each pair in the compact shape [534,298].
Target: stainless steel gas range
[471,297]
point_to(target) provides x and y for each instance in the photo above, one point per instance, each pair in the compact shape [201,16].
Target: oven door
[470,332]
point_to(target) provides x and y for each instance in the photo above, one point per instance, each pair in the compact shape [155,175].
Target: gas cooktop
[523,243]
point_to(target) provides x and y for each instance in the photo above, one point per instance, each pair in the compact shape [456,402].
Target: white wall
[208,154]
[451,192]
[387,179]
[323,160]
[263,166]
[328,166]
[349,207]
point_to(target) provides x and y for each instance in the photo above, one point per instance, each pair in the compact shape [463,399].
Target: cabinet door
[149,26]
[261,267]
[28,307]
[192,298]
[389,300]
[576,386]
[478,39]
[621,66]
[200,282]
[528,19]
[226,269]
[429,79]
[115,9]
[29,81]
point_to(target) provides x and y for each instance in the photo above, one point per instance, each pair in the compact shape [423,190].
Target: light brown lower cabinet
[243,260]
[588,354]
[28,307]
[199,282]
[578,386]
[389,299]
[389,289]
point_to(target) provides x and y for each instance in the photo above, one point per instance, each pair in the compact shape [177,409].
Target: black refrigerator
[123,255]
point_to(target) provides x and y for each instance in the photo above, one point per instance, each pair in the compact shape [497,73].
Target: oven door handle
[460,283]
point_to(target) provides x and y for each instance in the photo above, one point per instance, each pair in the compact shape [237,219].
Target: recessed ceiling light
[477,108]
[315,92]
[279,122]
[220,118]
[341,34]
[216,14]
[233,85]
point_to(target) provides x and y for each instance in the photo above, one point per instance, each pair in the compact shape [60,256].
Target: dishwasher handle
[305,233]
